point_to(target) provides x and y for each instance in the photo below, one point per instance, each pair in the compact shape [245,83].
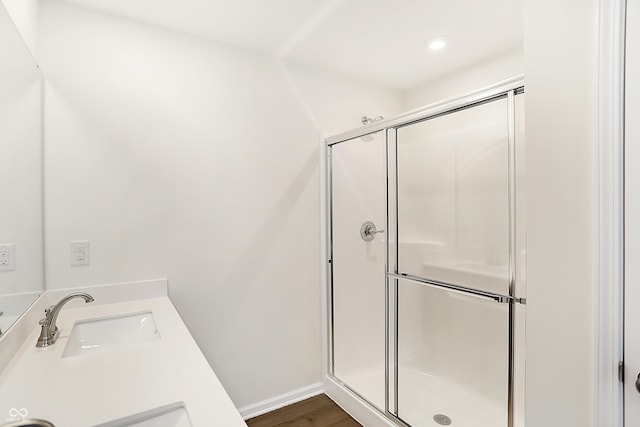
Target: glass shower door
[453,283]
[358,219]
[453,358]
[453,198]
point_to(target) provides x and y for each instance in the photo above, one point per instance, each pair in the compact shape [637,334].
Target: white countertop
[101,386]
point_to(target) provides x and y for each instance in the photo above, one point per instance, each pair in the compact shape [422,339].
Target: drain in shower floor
[443,420]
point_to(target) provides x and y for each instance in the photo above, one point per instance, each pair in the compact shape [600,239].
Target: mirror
[21,229]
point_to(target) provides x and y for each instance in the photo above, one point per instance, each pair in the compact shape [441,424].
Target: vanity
[125,359]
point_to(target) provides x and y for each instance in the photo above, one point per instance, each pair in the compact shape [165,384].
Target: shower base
[422,398]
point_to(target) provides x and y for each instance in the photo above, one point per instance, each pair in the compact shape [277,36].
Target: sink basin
[173,415]
[111,332]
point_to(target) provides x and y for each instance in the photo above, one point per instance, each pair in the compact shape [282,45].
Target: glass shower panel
[453,200]
[453,358]
[358,210]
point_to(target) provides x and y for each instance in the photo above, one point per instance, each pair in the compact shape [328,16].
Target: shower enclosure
[426,262]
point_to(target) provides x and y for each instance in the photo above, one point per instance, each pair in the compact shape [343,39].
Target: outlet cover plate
[79,252]
[7,256]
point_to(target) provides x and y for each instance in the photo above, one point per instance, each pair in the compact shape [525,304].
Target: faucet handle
[45,322]
[47,315]
[49,318]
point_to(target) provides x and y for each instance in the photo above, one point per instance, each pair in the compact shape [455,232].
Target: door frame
[609,298]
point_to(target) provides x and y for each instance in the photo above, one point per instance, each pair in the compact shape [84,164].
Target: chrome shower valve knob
[368,231]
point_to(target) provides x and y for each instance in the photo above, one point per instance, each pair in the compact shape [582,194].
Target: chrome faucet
[49,332]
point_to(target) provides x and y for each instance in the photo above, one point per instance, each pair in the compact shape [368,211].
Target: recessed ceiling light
[437,43]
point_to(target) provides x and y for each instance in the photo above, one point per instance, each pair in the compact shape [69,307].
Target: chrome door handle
[368,231]
[638,383]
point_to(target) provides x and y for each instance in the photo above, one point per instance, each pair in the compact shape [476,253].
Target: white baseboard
[280,401]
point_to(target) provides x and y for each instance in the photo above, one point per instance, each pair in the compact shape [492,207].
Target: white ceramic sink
[174,415]
[111,332]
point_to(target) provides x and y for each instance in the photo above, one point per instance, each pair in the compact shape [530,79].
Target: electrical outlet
[7,256]
[80,252]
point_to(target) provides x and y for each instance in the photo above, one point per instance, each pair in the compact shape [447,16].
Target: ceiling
[382,41]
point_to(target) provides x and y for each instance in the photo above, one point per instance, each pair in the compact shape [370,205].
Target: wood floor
[318,411]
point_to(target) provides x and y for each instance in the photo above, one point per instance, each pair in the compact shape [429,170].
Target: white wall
[560,72]
[337,102]
[182,158]
[188,160]
[476,76]
[25,16]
